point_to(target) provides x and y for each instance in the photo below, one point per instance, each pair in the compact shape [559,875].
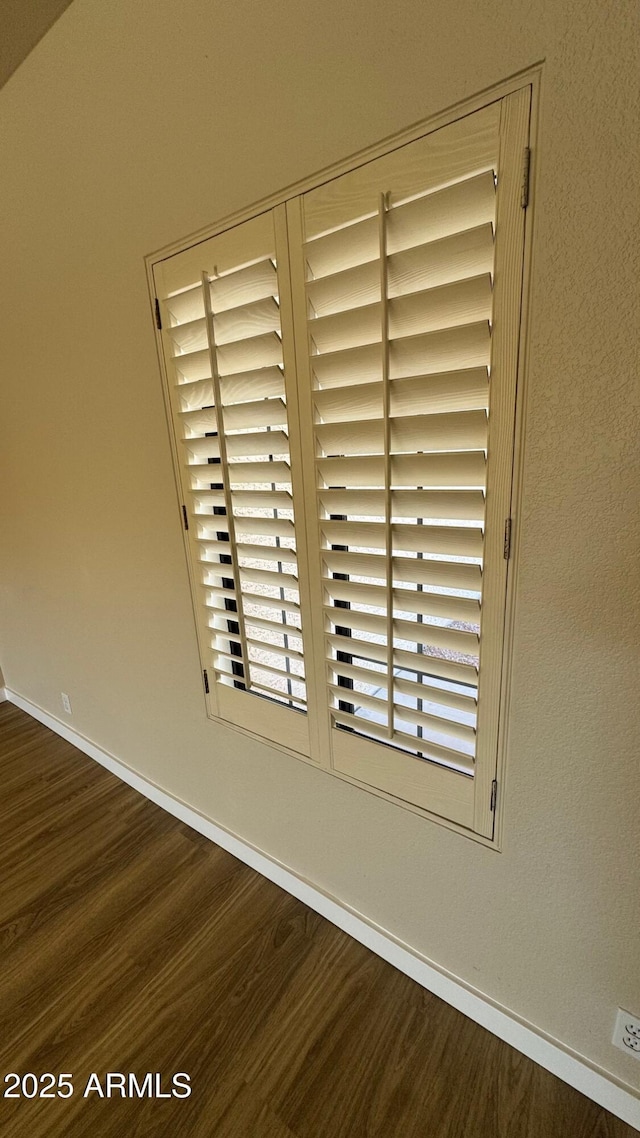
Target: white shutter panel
[410,358]
[222,339]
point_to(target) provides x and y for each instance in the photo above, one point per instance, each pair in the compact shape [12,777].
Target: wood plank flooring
[129,943]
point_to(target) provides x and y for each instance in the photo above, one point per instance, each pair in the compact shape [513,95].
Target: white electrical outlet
[626,1034]
[66,702]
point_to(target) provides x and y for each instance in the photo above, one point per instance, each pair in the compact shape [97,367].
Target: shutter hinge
[206,680]
[185,517]
[158,316]
[507,539]
[494,795]
[526,168]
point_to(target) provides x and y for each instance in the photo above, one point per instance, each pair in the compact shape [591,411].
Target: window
[341,378]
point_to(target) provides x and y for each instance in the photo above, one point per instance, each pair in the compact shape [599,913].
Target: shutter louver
[399,309]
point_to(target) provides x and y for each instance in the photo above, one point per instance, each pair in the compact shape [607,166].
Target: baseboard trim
[3,695]
[597,1084]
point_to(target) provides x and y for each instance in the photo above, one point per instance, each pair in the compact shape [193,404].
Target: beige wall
[22,25]
[134,124]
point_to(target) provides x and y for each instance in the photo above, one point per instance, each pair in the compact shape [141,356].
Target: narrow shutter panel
[398,264]
[222,338]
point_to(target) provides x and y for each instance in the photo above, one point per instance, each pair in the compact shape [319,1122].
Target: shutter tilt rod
[224,469]
[386,416]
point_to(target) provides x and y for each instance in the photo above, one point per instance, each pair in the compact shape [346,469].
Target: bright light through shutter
[399,329]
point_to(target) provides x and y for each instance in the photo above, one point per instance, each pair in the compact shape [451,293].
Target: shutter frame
[238,378]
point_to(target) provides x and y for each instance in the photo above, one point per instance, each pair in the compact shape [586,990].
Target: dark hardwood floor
[129,943]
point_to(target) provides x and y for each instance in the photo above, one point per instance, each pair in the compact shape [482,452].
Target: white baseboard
[3,695]
[597,1084]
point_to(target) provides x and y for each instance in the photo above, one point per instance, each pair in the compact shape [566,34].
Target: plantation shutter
[341,377]
[408,275]
[225,361]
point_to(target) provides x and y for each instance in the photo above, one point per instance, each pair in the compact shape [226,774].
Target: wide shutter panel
[398,265]
[224,354]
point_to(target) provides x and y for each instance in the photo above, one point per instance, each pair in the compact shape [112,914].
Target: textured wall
[22,26]
[132,125]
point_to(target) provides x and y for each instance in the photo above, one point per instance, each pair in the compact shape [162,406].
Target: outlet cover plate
[626,1034]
